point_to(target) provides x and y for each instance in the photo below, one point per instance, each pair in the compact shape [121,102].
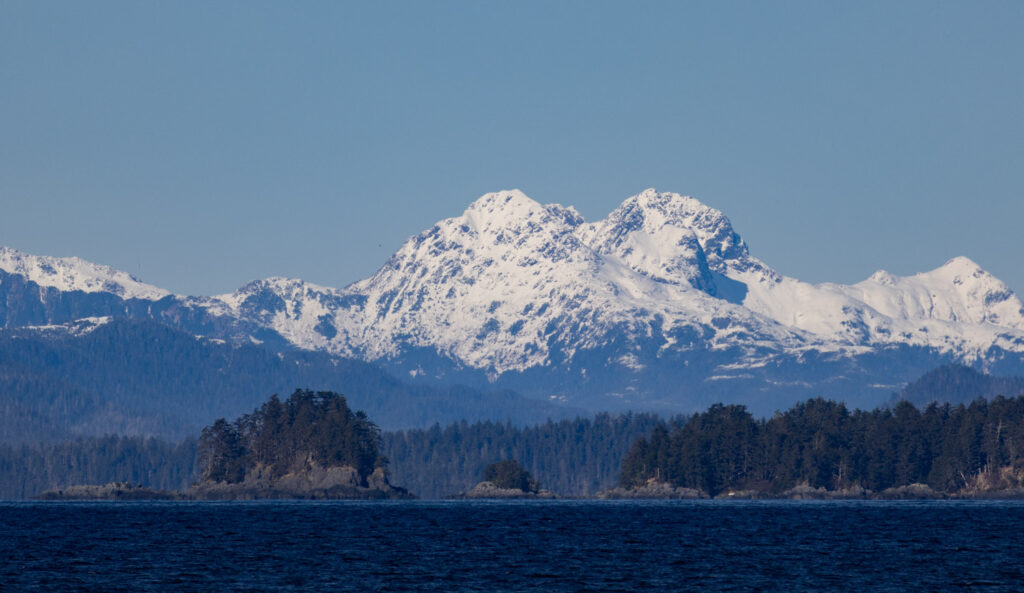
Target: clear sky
[202,145]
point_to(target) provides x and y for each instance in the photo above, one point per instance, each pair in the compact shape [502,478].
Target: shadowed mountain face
[958,384]
[661,305]
[144,378]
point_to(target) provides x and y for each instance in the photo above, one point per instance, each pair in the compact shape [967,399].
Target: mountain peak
[644,234]
[964,272]
[960,265]
[659,213]
[959,291]
[504,198]
[957,271]
[504,214]
[883,277]
[662,295]
[669,203]
[501,209]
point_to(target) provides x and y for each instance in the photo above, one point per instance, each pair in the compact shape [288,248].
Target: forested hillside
[958,384]
[817,443]
[569,457]
[26,471]
[822,444]
[143,378]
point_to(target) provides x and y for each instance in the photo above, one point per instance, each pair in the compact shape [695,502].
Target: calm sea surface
[513,546]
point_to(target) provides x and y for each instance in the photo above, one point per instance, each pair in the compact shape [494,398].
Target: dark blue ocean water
[513,546]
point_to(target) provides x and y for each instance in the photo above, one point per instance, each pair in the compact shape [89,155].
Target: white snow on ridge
[78,327]
[957,308]
[509,280]
[72,273]
[512,284]
[958,291]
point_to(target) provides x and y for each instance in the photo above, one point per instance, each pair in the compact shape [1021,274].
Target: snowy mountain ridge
[511,280]
[663,286]
[72,273]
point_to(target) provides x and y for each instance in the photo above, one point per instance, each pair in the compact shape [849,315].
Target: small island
[310,446]
[113,491]
[508,480]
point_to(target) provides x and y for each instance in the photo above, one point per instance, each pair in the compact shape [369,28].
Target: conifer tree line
[818,442]
[309,428]
[822,444]
[569,457]
[27,470]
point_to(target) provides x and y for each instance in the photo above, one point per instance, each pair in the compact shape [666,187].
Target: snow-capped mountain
[501,286]
[68,274]
[958,309]
[512,284]
[660,303]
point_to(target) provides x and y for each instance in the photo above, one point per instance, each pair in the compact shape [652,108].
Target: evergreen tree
[308,429]
[821,444]
[221,454]
[510,475]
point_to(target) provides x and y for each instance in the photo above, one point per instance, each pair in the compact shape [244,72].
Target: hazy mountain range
[660,305]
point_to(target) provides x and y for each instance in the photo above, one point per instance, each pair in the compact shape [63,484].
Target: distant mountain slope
[958,384]
[661,305]
[68,274]
[143,378]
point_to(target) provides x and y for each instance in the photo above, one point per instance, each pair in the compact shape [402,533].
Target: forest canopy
[976,447]
[508,474]
[576,457]
[822,444]
[306,430]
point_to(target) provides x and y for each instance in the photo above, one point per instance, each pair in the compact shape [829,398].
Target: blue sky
[202,145]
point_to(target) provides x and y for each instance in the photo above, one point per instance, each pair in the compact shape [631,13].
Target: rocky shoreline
[336,483]
[665,491]
[341,484]
[111,491]
[485,490]
[653,490]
